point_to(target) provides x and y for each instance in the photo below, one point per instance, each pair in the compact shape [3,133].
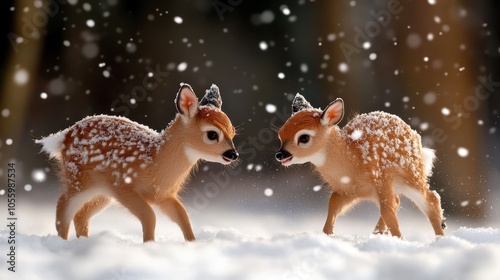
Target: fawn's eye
[212,135]
[304,139]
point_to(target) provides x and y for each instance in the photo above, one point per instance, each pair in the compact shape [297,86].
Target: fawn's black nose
[282,154]
[230,155]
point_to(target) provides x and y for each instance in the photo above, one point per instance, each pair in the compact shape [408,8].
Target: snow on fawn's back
[104,157]
[376,156]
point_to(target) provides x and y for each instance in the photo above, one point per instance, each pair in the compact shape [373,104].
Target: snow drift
[467,253]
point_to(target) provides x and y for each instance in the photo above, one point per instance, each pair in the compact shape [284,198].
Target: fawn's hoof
[328,231]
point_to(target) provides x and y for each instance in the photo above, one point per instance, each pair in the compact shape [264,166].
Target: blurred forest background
[433,63]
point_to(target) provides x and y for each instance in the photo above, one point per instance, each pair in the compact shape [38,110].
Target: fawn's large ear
[333,113]
[299,103]
[212,97]
[186,102]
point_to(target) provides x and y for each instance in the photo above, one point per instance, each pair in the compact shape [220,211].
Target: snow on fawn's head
[103,157]
[376,156]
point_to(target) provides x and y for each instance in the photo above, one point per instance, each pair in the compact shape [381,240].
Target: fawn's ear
[186,102]
[300,103]
[333,113]
[212,97]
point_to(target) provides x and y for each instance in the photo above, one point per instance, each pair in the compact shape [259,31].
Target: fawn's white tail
[429,156]
[53,144]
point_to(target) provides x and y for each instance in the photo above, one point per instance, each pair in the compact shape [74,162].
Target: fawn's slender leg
[88,210]
[173,208]
[67,206]
[381,227]
[139,208]
[337,203]
[388,209]
[62,220]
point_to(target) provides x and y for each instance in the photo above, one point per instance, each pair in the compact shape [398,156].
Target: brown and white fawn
[103,157]
[376,156]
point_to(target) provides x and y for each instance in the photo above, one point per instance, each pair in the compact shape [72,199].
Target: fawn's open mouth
[287,160]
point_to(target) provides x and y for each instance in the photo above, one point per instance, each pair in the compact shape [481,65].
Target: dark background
[86,70]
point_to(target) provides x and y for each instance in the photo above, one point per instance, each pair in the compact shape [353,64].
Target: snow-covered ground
[248,246]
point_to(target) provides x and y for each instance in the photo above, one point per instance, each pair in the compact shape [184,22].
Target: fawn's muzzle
[230,155]
[283,155]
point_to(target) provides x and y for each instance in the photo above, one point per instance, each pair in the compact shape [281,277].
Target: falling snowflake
[343,67]
[462,152]
[21,77]
[178,20]
[38,175]
[268,192]
[271,108]
[317,188]
[263,45]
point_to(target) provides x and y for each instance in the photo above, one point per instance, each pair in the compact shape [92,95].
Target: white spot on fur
[130,159]
[98,158]
[356,134]
[345,180]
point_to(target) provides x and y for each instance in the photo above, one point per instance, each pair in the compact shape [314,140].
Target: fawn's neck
[338,161]
[172,166]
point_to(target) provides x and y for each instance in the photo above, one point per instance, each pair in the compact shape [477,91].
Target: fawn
[103,157]
[376,156]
